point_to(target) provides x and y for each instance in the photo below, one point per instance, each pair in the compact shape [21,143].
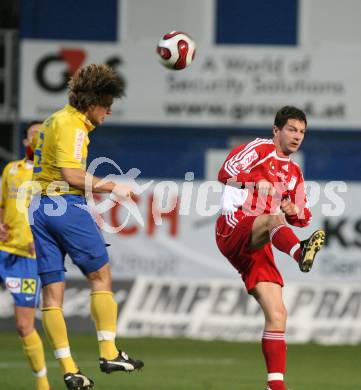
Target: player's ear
[275,129]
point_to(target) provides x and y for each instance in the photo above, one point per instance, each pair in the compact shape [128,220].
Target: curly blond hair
[92,84]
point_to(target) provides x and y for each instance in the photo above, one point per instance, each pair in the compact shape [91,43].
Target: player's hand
[122,192]
[4,234]
[265,188]
[289,208]
[31,249]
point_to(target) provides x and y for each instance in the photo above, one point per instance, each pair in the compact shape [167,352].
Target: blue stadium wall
[169,152]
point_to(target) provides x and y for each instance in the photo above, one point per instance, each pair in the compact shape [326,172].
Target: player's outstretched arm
[79,178]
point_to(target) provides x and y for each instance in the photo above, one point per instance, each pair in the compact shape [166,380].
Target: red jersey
[249,163]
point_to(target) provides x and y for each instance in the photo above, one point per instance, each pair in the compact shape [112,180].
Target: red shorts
[257,265]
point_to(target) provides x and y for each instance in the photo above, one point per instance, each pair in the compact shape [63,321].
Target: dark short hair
[28,125]
[289,112]
[92,84]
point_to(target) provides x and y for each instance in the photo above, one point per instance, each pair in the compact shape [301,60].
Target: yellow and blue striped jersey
[16,192]
[62,143]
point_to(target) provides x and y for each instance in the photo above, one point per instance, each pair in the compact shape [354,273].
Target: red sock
[274,351]
[276,385]
[283,238]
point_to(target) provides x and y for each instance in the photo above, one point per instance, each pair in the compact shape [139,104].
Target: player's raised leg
[104,313]
[269,296]
[270,227]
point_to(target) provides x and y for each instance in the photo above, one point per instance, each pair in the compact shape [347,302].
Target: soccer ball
[176,50]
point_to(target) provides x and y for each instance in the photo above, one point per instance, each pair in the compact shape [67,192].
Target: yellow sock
[55,329]
[42,383]
[104,312]
[34,351]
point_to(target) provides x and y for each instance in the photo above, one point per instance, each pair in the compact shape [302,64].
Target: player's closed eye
[108,107]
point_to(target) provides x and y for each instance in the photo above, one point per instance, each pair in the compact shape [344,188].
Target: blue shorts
[63,225]
[20,276]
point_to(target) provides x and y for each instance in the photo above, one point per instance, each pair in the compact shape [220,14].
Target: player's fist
[289,208]
[265,188]
[121,192]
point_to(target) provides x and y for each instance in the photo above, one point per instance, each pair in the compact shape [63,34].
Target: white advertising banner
[207,308]
[225,86]
[218,309]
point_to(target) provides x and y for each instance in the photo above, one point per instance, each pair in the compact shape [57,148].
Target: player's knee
[279,317]
[24,326]
[99,276]
[275,220]
[101,279]
[53,292]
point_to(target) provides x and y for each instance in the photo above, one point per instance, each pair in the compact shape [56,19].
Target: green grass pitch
[192,365]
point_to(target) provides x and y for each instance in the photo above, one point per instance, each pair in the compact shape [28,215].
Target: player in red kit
[264,190]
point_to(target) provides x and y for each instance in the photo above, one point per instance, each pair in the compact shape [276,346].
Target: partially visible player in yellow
[62,180]
[18,266]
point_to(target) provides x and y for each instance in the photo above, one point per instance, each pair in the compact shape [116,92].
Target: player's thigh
[49,251]
[259,266]
[53,294]
[269,296]
[233,235]
[261,227]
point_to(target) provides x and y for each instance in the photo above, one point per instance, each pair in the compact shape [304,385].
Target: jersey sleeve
[4,191]
[298,196]
[239,163]
[70,147]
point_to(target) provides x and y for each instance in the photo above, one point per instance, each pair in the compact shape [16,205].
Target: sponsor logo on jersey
[272,165]
[78,144]
[28,286]
[13,285]
[247,159]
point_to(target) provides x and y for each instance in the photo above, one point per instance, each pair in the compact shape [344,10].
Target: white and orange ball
[176,50]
